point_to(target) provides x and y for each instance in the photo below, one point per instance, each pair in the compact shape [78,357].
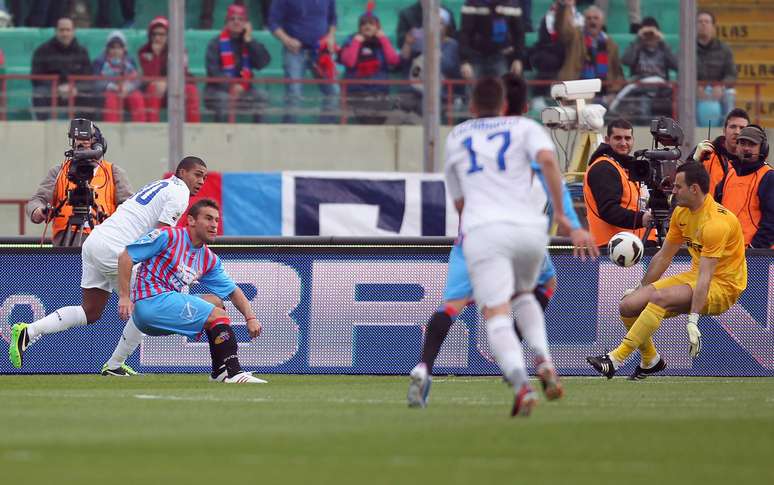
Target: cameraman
[612,200]
[717,156]
[109,185]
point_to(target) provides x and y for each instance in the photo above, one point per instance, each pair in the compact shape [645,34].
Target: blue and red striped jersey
[170,262]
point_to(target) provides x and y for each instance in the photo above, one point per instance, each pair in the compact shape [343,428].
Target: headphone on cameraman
[764,149]
[78,124]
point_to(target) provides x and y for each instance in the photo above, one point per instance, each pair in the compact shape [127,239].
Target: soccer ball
[625,249]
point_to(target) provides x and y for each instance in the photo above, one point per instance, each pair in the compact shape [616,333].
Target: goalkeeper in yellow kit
[717,277]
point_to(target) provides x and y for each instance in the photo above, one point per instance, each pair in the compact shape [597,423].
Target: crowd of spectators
[572,43]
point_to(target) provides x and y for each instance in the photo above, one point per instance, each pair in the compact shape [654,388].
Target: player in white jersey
[160,203]
[488,176]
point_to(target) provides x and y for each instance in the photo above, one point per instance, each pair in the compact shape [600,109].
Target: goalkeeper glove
[705,146]
[694,336]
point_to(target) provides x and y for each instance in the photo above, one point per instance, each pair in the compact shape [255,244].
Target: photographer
[718,155]
[107,184]
[748,189]
[612,200]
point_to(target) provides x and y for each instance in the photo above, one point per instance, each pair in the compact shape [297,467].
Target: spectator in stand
[589,52]
[714,66]
[44,13]
[235,54]
[208,7]
[412,62]
[410,22]
[491,38]
[546,57]
[369,54]
[307,30]
[116,63]
[153,62]
[6,20]
[64,56]
[649,59]
[633,6]
[103,13]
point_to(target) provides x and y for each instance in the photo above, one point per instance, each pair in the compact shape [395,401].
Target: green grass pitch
[170,429]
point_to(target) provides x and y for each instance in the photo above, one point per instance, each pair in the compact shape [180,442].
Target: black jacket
[605,185]
[259,58]
[477,25]
[52,57]
[726,159]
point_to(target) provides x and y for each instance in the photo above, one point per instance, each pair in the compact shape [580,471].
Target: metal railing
[398,95]
[21,204]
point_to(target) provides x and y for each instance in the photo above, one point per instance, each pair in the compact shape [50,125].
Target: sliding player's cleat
[244,378]
[603,365]
[641,373]
[19,343]
[419,387]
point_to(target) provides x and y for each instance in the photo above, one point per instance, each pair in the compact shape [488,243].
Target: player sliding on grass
[717,277]
[458,293]
[158,204]
[489,178]
[171,259]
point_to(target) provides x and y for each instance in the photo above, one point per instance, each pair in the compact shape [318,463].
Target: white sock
[129,341]
[532,324]
[652,363]
[62,319]
[507,349]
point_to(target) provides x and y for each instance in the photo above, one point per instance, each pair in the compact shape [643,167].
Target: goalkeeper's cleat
[641,373]
[549,379]
[602,364]
[419,386]
[244,378]
[122,371]
[525,400]
[20,340]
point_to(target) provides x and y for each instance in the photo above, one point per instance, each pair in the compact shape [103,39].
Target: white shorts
[99,264]
[503,259]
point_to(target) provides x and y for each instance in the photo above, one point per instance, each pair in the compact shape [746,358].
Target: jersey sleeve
[148,245]
[536,141]
[217,281]
[714,237]
[674,235]
[450,173]
[176,205]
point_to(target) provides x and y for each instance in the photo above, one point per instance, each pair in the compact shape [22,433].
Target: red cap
[236,11]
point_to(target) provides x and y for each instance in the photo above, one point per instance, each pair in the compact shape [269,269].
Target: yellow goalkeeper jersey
[712,231]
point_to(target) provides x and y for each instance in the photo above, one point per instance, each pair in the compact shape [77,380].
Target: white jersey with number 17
[162,201]
[488,163]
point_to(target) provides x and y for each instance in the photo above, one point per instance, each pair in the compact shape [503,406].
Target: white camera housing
[572,90]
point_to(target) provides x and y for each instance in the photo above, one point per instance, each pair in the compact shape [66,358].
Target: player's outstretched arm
[125,305]
[660,262]
[242,304]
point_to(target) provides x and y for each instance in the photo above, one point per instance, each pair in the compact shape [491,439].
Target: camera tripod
[659,208]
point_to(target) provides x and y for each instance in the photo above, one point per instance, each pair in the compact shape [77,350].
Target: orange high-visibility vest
[740,196]
[630,196]
[104,187]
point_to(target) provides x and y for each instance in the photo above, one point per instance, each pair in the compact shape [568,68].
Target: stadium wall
[141,149]
[358,307]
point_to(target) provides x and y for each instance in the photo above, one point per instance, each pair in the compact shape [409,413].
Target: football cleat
[419,387]
[220,376]
[549,379]
[123,371]
[244,378]
[19,343]
[641,373]
[525,400]
[603,365]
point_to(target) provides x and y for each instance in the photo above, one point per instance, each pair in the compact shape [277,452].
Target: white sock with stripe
[59,320]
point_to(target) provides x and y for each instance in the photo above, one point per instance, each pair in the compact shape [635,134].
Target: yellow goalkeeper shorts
[719,298]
